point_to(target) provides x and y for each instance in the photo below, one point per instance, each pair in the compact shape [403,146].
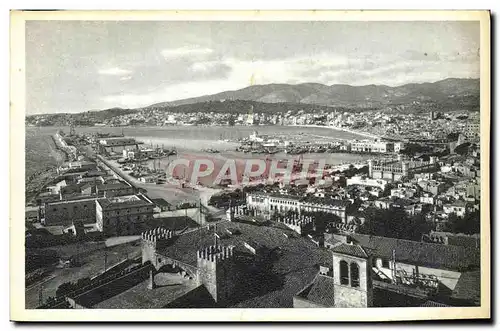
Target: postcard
[250,165]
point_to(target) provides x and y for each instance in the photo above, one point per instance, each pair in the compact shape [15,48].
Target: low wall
[110,289]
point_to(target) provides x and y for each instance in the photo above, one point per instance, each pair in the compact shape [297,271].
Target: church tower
[352,276]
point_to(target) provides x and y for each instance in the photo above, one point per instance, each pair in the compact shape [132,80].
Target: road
[168,192]
[94,263]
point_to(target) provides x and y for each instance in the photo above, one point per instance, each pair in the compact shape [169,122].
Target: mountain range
[451,90]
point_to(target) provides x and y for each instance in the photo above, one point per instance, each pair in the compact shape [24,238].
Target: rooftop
[113,186]
[122,201]
[468,287]
[294,265]
[321,291]
[425,254]
[305,199]
[140,297]
[161,202]
[84,198]
[350,249]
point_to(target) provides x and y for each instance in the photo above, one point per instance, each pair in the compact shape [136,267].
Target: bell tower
[352,276]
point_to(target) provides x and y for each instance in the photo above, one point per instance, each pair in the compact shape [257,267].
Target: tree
[469,224]
[394,223]
[462,149]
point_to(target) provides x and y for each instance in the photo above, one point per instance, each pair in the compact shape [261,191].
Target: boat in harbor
[211,150]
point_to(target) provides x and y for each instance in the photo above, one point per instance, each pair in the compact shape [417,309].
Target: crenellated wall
[216,270]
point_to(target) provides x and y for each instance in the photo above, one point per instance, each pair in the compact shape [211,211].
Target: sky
[75,66]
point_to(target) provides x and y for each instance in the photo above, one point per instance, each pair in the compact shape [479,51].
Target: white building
[372,146]
[366,181]
[270,203]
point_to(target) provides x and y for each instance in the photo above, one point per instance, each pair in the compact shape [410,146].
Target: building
[347,285]
[138,153]
[382,272]
[118,144]
[366,181]
[472,130]
[406,261]
[109,190]
[427,198]
[78,166]
[67,212]
[399,146]
[269,203]
[456,239]
[372,146]
[162,205]
[123,215]
[458,208]
[432,186]
[403,193]
[236,269]
[31,213]
[395,170]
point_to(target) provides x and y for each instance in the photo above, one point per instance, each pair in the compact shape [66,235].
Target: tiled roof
[126,201]
[161,202]
[350,249]
[433,304]
[322,291]
[420,253]
[468,286]
[112,186]
[326,201]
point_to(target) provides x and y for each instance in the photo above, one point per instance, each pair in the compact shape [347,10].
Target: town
[402,229]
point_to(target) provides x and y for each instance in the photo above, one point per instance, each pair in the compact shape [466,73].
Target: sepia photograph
[228,161]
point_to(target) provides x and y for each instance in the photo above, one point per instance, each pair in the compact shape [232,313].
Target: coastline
[361,133]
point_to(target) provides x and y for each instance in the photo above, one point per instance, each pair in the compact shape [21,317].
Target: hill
[454,90]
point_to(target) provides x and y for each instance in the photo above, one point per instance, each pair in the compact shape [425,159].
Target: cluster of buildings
[285,264]
[436,189]
[295,245]
[89,198]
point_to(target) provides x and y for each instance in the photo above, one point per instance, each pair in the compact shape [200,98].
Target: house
[162,204]
[66,212]
[114,189]
[403,193]
[458,208]
[398,258]
[123,215]
[427,198]
[31,213]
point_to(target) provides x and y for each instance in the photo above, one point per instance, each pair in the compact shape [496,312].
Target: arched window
[344,273]
[354,274]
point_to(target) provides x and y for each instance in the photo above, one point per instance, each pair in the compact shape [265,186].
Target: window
[344,273]
[385,263]
[354,274]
